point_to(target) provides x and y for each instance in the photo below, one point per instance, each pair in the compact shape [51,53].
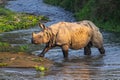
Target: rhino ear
[42,26]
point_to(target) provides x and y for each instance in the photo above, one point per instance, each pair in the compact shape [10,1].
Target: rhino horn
[42,26]
[33,34]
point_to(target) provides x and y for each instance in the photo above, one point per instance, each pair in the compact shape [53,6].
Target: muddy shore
[23,60]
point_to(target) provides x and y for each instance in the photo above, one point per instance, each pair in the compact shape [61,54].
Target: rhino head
[41,37]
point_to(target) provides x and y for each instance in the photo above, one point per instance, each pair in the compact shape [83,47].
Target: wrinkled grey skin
[76,35]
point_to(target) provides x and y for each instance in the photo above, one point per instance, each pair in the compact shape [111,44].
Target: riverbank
[11,57]
[22,60]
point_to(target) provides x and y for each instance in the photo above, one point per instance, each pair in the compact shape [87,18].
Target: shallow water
[78,66]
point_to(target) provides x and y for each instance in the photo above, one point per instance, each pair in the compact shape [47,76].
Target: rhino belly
[77,45]
[79,42]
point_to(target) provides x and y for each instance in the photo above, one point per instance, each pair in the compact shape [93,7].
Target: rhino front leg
[42,54]
[65,51]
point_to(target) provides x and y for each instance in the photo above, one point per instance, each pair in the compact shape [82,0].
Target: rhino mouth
[34,42]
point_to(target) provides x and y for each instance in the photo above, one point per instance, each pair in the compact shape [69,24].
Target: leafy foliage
[11,21]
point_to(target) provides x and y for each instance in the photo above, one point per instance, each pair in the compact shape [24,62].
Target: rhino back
[75,35]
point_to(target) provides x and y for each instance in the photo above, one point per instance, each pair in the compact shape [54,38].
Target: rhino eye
[40,36]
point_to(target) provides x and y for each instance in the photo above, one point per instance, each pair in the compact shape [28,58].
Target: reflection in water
[86,67]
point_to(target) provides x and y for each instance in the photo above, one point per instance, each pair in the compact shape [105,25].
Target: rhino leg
[101,50]
[65,51]
[87,50]
[42,54]
[47,47]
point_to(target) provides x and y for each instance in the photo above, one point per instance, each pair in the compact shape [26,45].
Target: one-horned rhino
[73,35]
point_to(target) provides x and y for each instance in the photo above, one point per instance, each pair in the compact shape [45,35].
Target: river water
[78,67]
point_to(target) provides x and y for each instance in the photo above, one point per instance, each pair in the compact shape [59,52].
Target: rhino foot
[102,50]
[41,55]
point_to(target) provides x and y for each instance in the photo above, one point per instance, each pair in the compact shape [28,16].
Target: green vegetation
[13,21]
[23,48]
[104,13]
[37,59]
[40,68]
[6,47]
[3,64]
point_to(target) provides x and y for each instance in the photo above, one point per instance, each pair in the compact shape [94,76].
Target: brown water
[78,67]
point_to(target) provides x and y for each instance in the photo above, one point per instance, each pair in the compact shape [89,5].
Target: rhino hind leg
[101,50]
[87,49]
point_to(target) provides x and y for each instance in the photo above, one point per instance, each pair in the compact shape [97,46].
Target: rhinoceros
[73,35]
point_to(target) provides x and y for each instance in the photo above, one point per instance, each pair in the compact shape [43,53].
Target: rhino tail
[97,39]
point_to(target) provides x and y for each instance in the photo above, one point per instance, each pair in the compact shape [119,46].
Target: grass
[23,48]
[6,47]
[85,12]
[10,21]
[111,26]
[3,64]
